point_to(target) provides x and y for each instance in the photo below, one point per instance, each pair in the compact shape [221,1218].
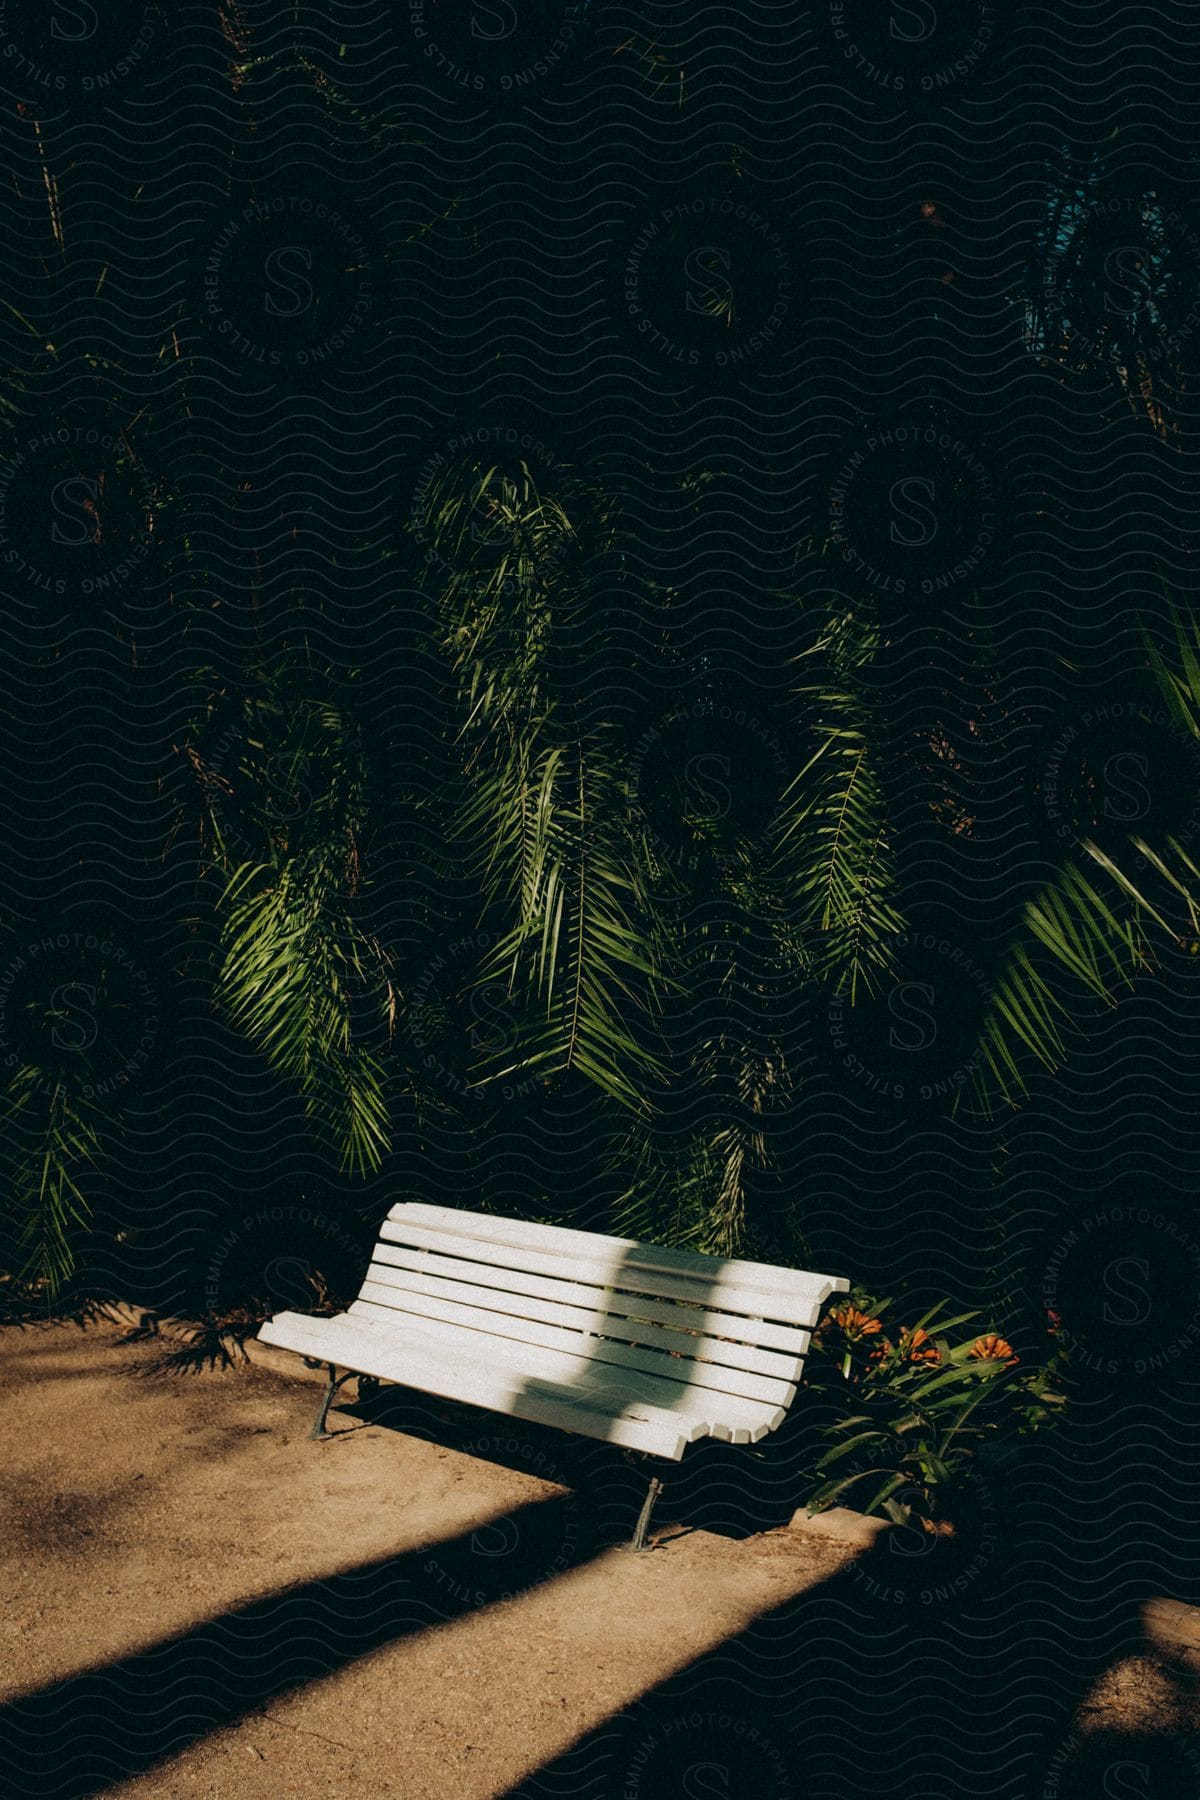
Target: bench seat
[642,1346]
[573,1393]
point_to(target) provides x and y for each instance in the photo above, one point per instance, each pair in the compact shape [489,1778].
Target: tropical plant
[909,1413]
[559,862]
[805,901]
[1094,928]
[834,850]
[301,975]
[656,983]
[53,1135]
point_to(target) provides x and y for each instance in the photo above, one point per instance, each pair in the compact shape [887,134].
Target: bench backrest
[735,1327]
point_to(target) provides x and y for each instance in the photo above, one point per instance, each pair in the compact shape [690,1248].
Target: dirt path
[139,1509]
[236,1612]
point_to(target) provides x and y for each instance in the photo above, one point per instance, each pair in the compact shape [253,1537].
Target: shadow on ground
[83,1735]
[823,1697]
[813,1703]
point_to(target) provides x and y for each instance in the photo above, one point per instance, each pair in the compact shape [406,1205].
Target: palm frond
[833,846]
[559,865]
[295,964]
[699,1189]
[1068,929]
[1178,677]
[53,1136]
[276,769]
[298,969]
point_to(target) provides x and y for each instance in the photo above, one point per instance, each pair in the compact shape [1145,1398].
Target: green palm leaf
[1077,939]
[833,844]
[54,1135]
[559,866]
[294,963]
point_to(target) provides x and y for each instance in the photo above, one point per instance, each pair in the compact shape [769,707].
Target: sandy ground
[235,1611]
[138,1509]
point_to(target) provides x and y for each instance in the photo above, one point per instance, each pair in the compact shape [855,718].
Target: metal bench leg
[335,1381]
[638,1540]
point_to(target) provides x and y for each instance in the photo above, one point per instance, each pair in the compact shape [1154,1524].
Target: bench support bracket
[335,1381]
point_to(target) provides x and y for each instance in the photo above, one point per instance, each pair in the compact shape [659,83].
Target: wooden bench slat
[589,1319]
[609,1268]
[721,1414]
[567,1242]
[642,1427]
[502,1391]
[717,1376]
[680,1315]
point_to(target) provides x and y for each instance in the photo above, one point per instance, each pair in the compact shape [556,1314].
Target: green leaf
[839,1450]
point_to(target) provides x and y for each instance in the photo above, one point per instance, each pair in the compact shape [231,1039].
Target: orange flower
[916,1347]
[1053,1322]
[994,1349]
[855,1324]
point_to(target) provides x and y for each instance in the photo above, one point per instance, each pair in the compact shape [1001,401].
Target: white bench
[643,1347]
